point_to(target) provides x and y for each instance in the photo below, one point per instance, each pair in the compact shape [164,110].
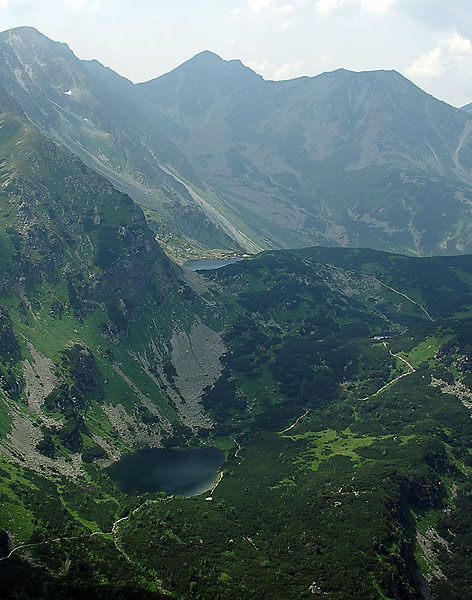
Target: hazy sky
[429,41]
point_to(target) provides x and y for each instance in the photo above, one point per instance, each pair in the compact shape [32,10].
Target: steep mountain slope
[97,114]
[94,323]
[347,158]
[8,104]
[77,254]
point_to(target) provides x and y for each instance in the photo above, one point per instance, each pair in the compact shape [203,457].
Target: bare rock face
[196,358]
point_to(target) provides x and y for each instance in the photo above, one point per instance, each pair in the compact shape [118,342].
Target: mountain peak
[23,29]
[209,60]
[207,56]
[203,71]
[32,40]
[25,32]
[374,73]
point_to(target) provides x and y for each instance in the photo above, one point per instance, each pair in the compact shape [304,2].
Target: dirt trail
[296,422]
[113,532]
[405,296]
[24,546]
[411,367]
[236,454]
[217,483]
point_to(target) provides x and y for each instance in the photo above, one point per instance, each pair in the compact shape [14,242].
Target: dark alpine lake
[186,472]
[206,264]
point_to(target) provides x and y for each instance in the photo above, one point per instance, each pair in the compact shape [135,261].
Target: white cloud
[429,64]
[287,24]
[8,3]
[286,9]
[377,7]
[287,70]
[257,7]
[325,61]
[457,43]
[326,7]
[451,52]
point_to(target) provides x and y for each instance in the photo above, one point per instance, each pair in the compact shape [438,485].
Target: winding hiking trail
[23,546]
[113,532]
[217,483]
[410,372]
[296,422]
[238,450]
[405,296]
[221,475]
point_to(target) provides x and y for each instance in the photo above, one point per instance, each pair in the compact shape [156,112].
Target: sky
[428,41]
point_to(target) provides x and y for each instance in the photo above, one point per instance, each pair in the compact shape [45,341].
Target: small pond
[186,472]
[206,264]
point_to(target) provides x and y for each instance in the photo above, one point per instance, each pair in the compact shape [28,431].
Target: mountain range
[233,162]
[336,383]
